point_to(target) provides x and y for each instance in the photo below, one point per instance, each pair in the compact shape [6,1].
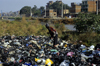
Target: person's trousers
[55,40]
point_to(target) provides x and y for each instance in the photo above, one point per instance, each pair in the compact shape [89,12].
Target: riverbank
[23,27]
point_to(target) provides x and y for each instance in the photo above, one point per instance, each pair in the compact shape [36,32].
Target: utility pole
[30,12]
[97,7]
[45,11]
[62,9]
[1,13]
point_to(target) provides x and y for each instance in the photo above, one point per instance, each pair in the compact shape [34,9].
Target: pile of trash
[39,51]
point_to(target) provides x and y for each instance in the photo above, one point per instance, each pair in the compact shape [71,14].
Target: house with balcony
[89,6]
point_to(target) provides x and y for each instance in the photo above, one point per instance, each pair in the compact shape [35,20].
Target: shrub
[18,19]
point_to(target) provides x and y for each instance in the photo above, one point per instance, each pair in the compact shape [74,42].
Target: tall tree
[41,9]
[65,6]
[35,7]
[25,10]
[36,11]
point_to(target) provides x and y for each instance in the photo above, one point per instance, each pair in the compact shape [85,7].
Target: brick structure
[88,6]
[51,13]
[75,8]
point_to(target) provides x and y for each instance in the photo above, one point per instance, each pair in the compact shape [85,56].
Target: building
[50,13]
[65,11]
[75,8]
[99,5]
[89,6]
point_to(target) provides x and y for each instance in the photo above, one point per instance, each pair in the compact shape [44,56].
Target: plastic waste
[48,62]
[65,63]
[38,51]
[70,54]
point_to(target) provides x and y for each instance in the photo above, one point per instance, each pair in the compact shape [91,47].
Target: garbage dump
[39,51]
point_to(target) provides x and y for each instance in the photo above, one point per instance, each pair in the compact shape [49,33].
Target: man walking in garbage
[53,33]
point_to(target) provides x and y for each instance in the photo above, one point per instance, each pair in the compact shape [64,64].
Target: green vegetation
[87,22]
[18,18]
[35,11]
[87,26]
[57,6]
[25,10]
[22,27]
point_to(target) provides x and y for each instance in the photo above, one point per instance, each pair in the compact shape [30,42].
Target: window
[85,2]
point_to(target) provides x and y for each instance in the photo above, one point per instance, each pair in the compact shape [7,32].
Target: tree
[87,22]
[65,6]
[35,7]
[36,11]
[25,10]
[41,8]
